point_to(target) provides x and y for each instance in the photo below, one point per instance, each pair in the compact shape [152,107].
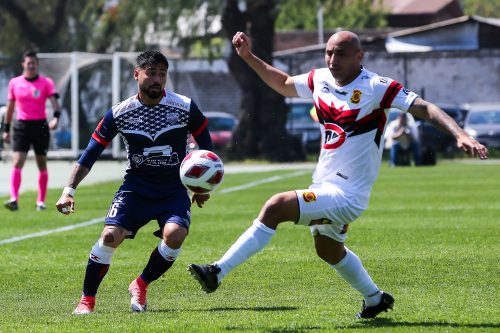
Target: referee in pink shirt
[28,94]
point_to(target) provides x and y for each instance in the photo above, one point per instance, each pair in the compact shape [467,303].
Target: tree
[261,132]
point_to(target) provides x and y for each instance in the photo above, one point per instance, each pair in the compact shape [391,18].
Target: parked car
[435,139]
[301,125]
[483,123]
[221,126]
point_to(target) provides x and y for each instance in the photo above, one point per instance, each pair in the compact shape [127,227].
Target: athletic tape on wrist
[69,190]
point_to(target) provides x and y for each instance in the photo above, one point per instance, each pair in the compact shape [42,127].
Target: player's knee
[274,205]
[108,238]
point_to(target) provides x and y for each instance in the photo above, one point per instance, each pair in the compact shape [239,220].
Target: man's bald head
[343,56]
[346,38]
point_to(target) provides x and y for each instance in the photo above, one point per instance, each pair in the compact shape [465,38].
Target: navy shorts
[132,211]
[29,133]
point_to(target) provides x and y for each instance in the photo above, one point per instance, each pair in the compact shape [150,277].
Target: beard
[152,92]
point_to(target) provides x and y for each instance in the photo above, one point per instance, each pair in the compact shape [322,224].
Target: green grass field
[430,237]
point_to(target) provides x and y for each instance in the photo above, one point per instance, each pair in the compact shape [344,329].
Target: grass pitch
[430,237]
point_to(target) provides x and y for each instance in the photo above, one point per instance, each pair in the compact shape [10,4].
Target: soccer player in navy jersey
[155,125]
[351,104]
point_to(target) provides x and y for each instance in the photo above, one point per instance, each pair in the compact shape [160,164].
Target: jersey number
[113,210]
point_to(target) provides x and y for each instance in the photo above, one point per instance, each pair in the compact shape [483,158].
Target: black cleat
[206,275]
[387,302]
[11,205]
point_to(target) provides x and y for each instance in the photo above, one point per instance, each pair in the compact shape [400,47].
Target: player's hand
[471,147]
[6,137]
[66,204]
[53,123]
[200,199]
[242,44]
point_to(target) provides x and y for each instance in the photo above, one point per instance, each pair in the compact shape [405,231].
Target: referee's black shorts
[31,132]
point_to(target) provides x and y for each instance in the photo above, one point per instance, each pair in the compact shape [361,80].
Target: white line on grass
[101,219]
[52,231]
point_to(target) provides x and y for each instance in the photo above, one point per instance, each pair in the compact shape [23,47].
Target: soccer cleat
[40,206]
[11,205]
[138,301]
[206,276]
[386,302]
[86,305]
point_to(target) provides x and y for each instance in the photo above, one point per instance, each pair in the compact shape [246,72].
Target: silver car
[483,123]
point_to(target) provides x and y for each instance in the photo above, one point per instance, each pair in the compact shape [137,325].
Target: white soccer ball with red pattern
[201,171]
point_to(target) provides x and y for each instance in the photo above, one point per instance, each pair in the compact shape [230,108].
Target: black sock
[156,267]
[93,277]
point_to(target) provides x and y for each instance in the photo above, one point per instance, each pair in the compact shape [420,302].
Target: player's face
[343,59]
[30,66]
[152,80]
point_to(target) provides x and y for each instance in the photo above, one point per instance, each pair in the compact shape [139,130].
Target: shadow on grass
[385,322]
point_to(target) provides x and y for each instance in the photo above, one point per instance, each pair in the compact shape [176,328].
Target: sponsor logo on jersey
[309,196]
[344,229]
[172,117]
[334,136]
[320,221]
[365,77]
[383,80]
[342,176]
[133,120]
[325,88]
[356,96]
[406,91]
[340,92]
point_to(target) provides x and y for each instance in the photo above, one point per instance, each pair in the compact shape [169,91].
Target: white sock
[168,253]
[250,242]
[101,253]
[352,270]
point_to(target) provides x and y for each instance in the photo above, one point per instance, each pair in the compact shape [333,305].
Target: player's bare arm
[278,80]
[55,106]
[66,203]
[8,120]
[445,123]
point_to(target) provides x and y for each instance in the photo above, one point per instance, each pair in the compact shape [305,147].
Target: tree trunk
[261,131]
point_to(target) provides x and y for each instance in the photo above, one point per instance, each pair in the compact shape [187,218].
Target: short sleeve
[51,87]
[304,84]
[11,95]
[392,94]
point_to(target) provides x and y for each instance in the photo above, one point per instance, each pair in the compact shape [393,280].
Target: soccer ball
[201,171]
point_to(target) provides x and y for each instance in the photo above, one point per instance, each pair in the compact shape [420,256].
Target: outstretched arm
[278,80]
[66,203]
[445,123]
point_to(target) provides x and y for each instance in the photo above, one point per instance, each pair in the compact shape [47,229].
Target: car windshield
[484,117]
[220,124]
[299,113]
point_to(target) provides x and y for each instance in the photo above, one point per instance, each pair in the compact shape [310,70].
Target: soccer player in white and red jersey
[351,105]
[28,94]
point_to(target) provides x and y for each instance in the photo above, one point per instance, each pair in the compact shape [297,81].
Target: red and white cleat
[86,305]
[137,290]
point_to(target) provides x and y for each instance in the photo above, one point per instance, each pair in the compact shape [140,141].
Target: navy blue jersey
[156,139]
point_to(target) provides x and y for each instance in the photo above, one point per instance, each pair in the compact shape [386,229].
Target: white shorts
[328,211]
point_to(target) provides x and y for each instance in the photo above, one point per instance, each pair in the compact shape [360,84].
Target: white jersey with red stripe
[354,117]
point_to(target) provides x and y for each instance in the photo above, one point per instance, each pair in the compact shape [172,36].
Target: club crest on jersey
[309,196]
[334,136]
[36,93]
[356,96]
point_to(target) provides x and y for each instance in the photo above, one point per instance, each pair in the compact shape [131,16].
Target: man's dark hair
[149,58]
[30,53]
